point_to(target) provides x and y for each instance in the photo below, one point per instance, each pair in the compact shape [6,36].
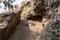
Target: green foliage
[7,3]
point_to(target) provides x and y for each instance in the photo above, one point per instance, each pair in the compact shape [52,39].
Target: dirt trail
[28,30]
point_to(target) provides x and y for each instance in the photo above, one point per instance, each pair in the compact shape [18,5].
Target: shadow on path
[22,32]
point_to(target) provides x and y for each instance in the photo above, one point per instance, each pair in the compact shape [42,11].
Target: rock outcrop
[13,21]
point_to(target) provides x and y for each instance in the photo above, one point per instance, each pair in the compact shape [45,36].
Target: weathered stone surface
[3,25]
[39,7]
[11,24]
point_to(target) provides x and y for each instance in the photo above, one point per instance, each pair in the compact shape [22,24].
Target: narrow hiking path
[28,30]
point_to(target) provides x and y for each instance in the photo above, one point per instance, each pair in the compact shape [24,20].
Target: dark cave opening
[36,18]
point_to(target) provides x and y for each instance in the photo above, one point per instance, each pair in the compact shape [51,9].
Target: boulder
[7,26]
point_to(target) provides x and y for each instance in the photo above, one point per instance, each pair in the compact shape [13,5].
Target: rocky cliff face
[40,7]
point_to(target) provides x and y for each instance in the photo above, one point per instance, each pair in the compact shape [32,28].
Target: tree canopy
[7,3]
